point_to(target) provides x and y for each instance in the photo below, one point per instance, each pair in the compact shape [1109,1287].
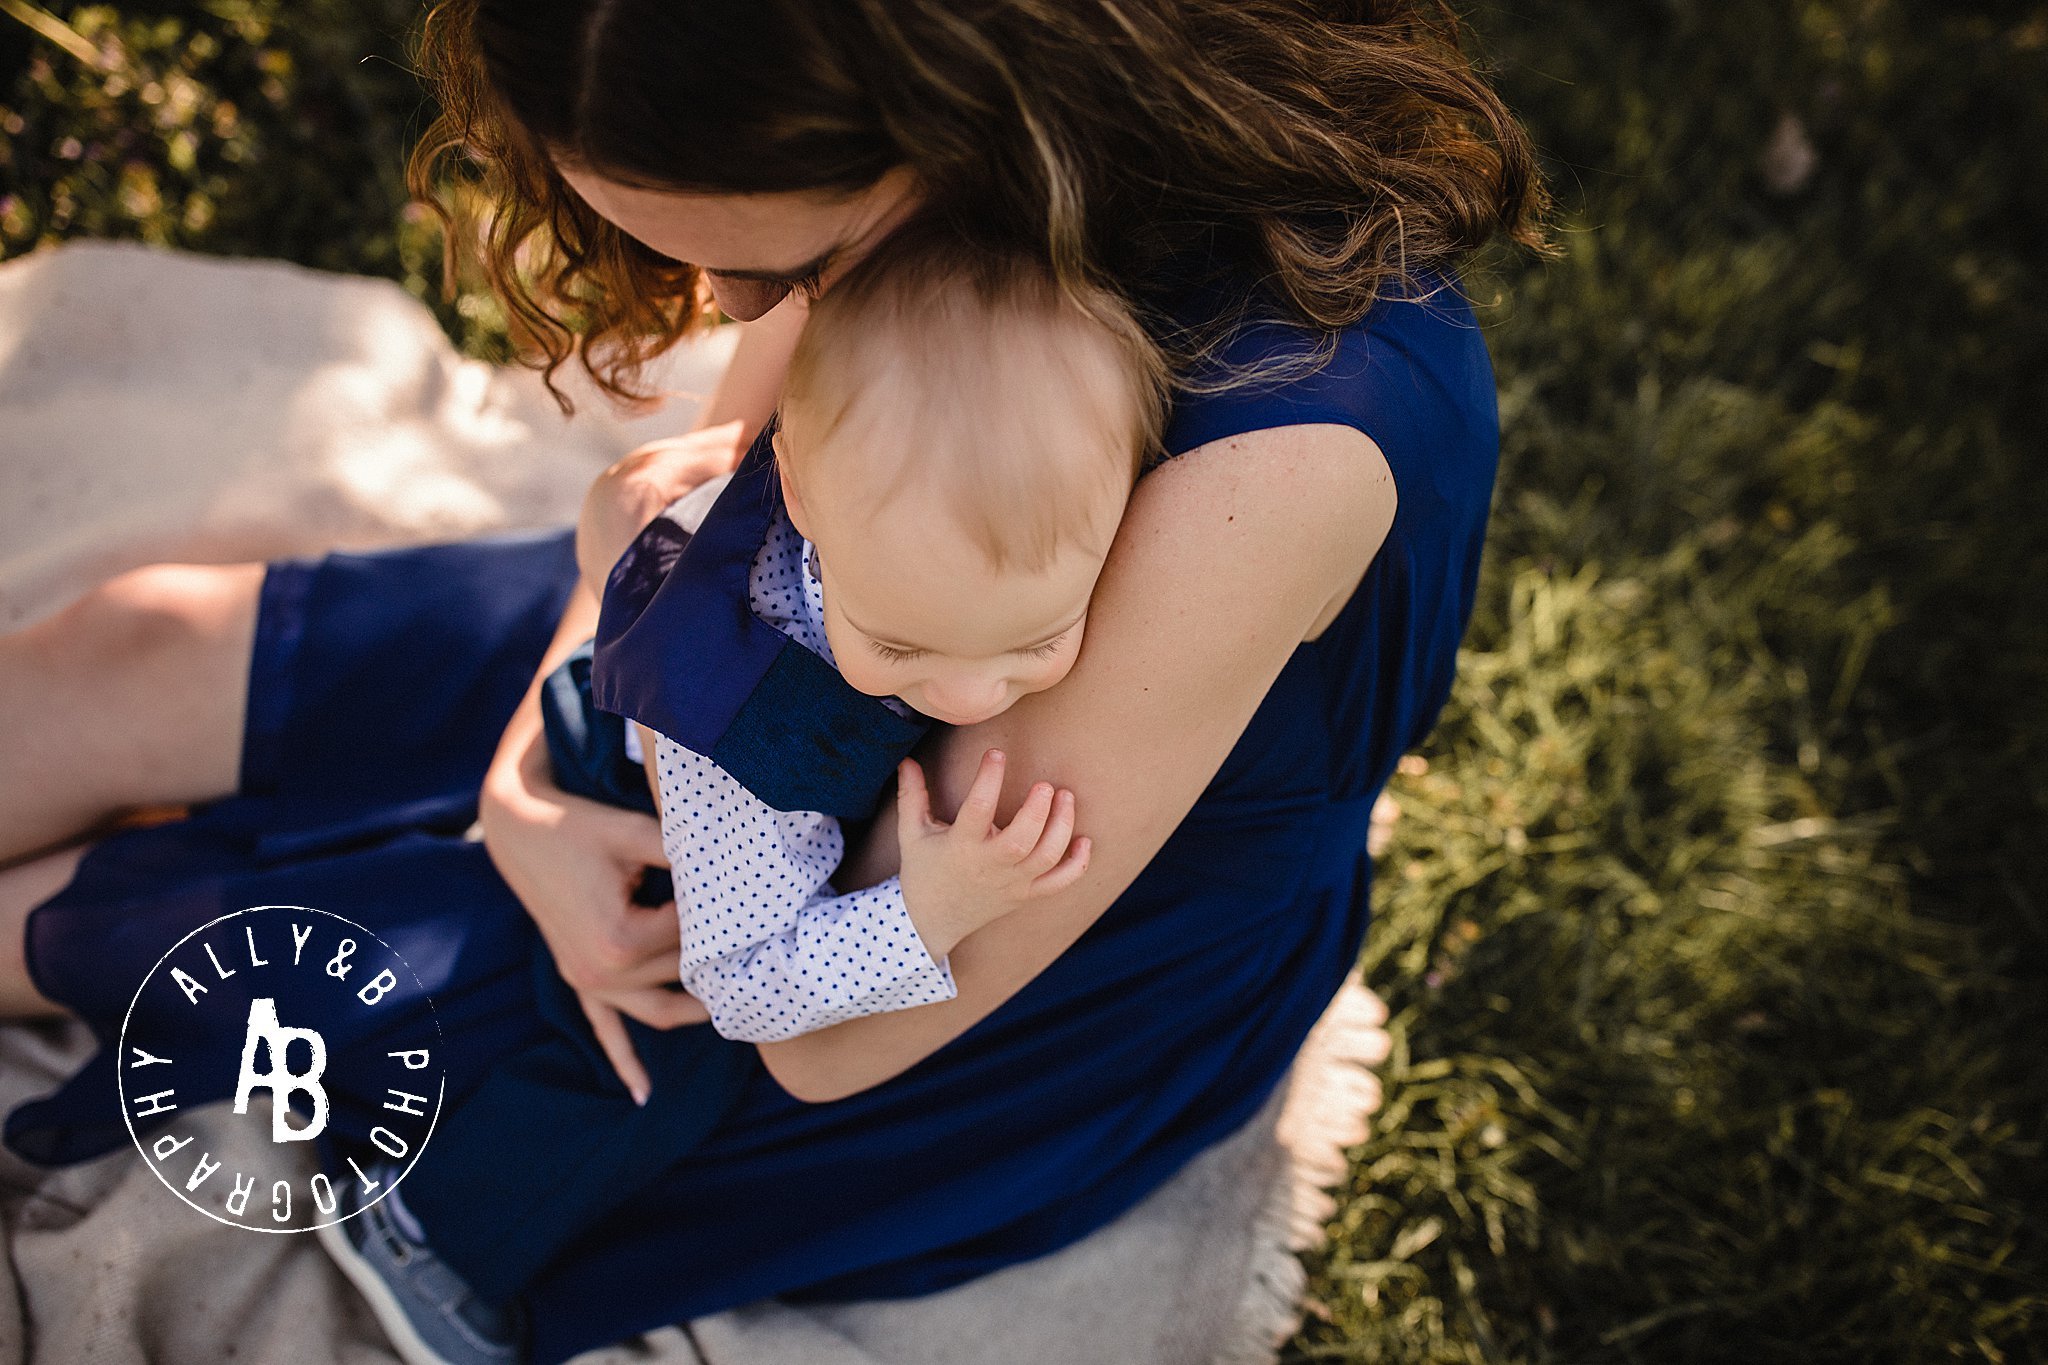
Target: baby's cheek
[851,658]
[1047,675]
[863,676]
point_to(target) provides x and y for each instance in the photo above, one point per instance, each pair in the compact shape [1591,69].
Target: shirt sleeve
[767,944]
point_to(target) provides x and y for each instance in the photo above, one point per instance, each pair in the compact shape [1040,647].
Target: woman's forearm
[518,746]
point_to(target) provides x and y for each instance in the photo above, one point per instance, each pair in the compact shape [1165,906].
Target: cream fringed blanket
[155,406]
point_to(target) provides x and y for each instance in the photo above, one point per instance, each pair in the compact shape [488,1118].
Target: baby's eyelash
[808,284]
[895,655]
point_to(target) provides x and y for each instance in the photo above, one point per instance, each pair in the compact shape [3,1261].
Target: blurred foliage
[238,127]
[1714,926]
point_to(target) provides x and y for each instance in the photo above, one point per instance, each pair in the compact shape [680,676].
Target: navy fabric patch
[646,564]
[798,745]
[586,746]
[680,650]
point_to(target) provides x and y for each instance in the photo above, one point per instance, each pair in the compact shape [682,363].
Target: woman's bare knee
[132,695]
[142,616]
[162,652]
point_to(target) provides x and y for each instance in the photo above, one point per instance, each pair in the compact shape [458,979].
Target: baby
[956,443]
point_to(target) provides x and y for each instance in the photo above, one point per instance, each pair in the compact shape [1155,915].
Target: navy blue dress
[381,683]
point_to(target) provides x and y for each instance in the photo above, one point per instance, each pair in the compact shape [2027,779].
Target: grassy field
[1716,925]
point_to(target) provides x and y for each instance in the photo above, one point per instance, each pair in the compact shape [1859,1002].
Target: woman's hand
[574,865]
[634,488]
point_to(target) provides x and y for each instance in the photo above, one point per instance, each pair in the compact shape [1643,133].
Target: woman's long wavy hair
[1319,154]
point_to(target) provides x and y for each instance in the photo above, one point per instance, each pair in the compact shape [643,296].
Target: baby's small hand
[958,877]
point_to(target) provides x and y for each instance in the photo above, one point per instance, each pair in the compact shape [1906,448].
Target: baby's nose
[967,700]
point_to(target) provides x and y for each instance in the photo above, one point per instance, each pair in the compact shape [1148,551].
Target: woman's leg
[22,888]
[134,695]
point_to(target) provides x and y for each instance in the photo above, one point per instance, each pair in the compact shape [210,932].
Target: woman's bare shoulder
[1321,495]
[1229,557]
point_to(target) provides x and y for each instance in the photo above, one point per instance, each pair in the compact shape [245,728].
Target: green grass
[1714,929]
[1716,925]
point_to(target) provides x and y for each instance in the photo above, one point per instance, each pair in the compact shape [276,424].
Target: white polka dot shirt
[768,946]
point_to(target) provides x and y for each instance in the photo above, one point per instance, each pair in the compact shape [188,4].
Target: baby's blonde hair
[949,343]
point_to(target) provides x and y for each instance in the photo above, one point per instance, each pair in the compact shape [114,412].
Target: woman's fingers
[640,942]
[1028,823]
[625,948]
[688,1010]
[978,811]
[676,464]
[656,1008]
[1059,832]
[632,952]
[573,864]
[635,487]
[618,1046]
[648,931]
[659,1007]
[634,970]
[635,839]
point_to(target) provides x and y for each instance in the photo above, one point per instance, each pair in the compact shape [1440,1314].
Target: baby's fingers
[1068,872]
[1052,843]
[1028,823]
[978,811]
[913,799]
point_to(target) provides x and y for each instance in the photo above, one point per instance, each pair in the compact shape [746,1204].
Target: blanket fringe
[1331,1098]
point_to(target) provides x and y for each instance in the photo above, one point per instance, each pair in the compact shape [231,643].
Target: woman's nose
[744,300]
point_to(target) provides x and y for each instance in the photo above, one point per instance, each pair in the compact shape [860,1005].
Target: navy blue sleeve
[1409,374]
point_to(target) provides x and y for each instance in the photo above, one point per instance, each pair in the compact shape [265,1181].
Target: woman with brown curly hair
[1279,190]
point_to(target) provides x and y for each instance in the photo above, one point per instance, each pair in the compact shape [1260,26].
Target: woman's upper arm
[1228,558]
